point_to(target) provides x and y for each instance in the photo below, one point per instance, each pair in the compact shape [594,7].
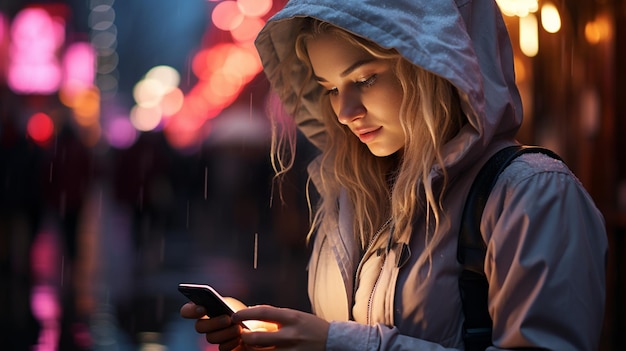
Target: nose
[349,108]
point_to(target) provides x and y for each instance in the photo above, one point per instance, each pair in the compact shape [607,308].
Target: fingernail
[200,309]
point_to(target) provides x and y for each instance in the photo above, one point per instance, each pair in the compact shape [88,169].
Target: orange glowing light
[67,96]
[226,15]
[598,30]
[243,62]
[87,107]
[210,101]
[40,127]
[210,60]
[520,70]
[225,83]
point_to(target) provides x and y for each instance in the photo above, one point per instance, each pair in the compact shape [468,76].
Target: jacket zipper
[371,299]
[372,242]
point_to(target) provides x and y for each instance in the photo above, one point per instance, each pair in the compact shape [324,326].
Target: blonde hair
[378,188]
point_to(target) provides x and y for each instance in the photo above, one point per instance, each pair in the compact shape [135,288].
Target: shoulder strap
[471,251]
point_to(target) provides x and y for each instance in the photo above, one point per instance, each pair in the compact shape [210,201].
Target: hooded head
[463,41]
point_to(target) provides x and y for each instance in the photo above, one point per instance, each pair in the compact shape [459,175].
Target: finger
[230,335]
[264,313]
[233,344]
[209,325]
[263,340]
[192,311]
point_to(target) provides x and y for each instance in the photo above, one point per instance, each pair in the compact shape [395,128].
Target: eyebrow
[348,70]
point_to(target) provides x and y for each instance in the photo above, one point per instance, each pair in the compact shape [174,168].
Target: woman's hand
[219,330]
[296,330]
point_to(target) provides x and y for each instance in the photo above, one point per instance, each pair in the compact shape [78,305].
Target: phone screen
[206,296]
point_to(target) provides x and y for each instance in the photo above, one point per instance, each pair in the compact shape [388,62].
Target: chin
[383,152]
[378,153]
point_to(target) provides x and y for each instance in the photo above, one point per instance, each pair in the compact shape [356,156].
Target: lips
[366,135]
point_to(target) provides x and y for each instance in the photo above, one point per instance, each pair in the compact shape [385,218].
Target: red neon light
[40,128]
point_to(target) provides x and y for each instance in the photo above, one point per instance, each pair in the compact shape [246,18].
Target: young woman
[406,100]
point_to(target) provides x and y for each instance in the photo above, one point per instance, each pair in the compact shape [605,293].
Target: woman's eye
[363,83]
[332,91]
[368,82]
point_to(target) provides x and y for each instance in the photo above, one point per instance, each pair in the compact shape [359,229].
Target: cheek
[334,106]
[390,95]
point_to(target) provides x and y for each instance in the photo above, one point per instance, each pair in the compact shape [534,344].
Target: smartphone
[207,297]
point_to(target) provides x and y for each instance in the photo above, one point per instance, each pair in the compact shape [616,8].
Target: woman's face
[363,91]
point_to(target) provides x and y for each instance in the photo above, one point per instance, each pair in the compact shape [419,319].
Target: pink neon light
[44,297]
[78,67]
[4,24]
[33,65]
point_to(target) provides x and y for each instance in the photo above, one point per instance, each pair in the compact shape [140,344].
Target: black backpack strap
[471,251]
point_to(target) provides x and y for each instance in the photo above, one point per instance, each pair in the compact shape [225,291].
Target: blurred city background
[134,146]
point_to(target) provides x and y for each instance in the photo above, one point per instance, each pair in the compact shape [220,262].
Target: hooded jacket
[546,239]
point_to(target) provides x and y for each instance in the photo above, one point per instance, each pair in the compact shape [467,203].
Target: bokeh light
[145,118]
[148,92]
[597,30]
[87,107]
[4,25]
[78,70]
[520,8]
[102,17]
[172,102]
[226,15]
[166,75]
[35,39]
[550,18]
[119,132]
[225,83]
[247,30]
[40,128]
[529,35]
[254,8]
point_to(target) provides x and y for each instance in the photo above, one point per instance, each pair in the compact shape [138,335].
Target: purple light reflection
[120,133]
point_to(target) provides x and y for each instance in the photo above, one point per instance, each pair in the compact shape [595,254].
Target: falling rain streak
[256,249]
[206,177]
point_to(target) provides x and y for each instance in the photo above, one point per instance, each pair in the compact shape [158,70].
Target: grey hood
[464,41]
